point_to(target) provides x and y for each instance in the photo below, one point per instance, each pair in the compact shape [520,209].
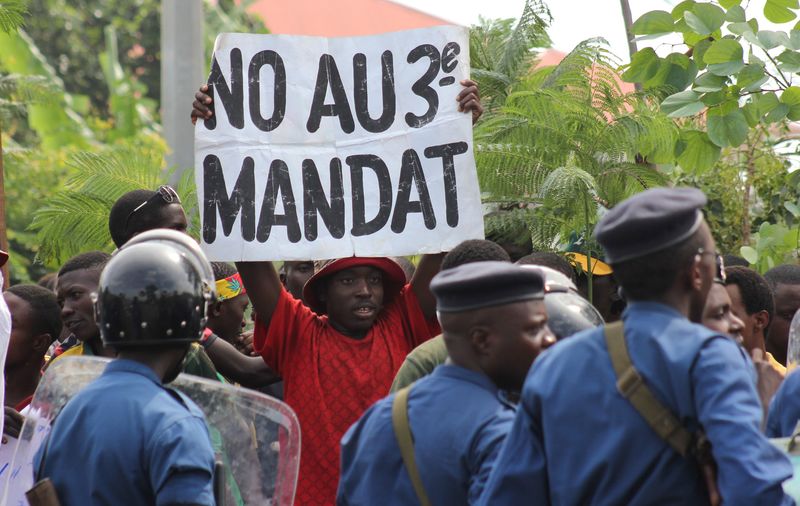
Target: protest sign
[324,148]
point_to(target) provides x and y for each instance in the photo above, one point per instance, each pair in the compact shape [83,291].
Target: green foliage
[773,244]
[56,123]
[748,187]
[75,219]
[11,14]
[70,33]
[740,68]
[565,144]
[502,53]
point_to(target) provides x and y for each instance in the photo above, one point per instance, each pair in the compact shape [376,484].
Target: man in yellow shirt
[752,302]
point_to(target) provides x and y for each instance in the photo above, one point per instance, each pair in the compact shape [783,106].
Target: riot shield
[256,438]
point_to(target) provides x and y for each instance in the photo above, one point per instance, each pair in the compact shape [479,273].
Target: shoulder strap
[632,386]
[402,431]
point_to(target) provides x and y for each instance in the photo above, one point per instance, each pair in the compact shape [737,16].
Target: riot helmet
[567,311]
[154,292]
[175,238]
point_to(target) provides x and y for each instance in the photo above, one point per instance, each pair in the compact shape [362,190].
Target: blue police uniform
[784,410]
[458,421]
[127,439]
[577,441]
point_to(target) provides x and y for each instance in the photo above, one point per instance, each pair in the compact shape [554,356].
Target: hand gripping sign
[256,438]
[323,148]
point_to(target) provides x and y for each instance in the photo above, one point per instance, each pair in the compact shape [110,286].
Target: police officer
[579,438]
[494,324]
[567,313]
[136,441]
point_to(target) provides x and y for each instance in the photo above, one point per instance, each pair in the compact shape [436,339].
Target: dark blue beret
[649,222]
[484,284]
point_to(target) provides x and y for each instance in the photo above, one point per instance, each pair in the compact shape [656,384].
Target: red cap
[3,258]
[394,278]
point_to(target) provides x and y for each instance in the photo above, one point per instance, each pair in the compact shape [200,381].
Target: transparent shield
[256,438]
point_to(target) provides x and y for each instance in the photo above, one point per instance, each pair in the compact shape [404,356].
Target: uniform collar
[131,366]
[460,373]
[651,307]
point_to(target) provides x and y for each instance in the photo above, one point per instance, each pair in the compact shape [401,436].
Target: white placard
[332,147]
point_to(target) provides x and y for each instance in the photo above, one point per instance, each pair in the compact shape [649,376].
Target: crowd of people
[651,375]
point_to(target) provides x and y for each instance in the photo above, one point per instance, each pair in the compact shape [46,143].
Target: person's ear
[761,319]
[695,274]
[215,310]
[42,342]
[481,339]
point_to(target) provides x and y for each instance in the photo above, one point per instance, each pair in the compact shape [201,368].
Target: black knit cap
[649,222]
[485,284]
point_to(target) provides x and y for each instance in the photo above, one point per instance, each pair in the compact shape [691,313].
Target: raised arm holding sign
[330,148]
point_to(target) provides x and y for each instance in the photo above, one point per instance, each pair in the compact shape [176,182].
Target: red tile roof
[337,18]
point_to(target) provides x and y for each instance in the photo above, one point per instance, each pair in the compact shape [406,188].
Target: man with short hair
[567,311]
[423,359]
[494,324]
[225,322]
[35,324]
[294,275]
[141,442]
[718,312]
[140,210]
[77,280]
[587,442]
[751,301]
[784,280]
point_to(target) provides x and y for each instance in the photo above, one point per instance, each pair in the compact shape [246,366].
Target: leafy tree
[75,219]
[733,92]
[503,52]
[565,145]
[68,33]
[732,78]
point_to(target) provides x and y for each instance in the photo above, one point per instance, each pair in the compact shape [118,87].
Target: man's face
[172,216]
[354,298]
[787,300]
[518,333]
[751,335]
[21,345]
[74,290]
[228,319]
[717,314]
[295,276]
[706,265]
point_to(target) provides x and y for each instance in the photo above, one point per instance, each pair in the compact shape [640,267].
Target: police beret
[649,222]
[483,284]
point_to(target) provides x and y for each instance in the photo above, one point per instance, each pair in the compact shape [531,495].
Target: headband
[230,287]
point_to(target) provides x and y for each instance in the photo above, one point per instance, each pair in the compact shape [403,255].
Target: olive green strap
[631,385]
[402,431]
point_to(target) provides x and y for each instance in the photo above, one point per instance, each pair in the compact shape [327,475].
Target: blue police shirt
[576,440]
[784,410]
[127,439]
[458,422]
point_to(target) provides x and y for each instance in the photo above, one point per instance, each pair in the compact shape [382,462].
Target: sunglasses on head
[165,193]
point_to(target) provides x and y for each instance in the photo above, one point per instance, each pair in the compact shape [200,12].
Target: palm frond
[530,32]
[70,223]
[76,218]
[12,14]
